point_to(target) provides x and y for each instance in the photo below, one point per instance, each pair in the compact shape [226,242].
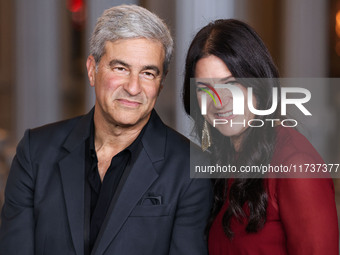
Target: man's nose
[133,84]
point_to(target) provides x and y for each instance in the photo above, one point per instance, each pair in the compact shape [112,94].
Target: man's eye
[119,69]
[149,75]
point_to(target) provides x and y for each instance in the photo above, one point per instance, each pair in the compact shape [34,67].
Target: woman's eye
[203,88]
[231,83]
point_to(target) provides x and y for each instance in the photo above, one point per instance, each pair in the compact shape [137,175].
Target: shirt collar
[132,148]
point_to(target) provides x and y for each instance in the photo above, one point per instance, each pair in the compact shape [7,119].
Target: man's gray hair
[130,21]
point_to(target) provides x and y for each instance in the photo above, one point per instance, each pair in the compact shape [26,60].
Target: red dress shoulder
[301,213]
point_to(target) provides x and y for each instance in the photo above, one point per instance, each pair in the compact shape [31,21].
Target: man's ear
[162,83]
[91,69]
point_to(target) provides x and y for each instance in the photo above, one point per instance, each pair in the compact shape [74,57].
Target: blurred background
[44,46]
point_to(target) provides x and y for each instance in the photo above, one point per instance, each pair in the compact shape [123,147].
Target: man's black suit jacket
[44,203]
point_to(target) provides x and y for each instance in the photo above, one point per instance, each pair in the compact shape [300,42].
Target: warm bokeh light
[337,23]
[77,8]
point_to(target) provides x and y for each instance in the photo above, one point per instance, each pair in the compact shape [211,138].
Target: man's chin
[128,120]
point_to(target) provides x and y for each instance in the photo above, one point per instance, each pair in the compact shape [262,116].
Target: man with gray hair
[114,181]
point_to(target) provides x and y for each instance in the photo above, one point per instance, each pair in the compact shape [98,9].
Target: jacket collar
[80,132]
[153,139]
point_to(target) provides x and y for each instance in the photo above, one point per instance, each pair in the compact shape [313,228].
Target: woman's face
[212,70]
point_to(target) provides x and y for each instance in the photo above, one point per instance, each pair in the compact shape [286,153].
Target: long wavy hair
[246,56]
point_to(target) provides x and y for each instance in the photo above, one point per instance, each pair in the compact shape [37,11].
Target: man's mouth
[130,103]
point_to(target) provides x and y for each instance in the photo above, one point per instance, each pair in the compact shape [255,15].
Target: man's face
[128,81]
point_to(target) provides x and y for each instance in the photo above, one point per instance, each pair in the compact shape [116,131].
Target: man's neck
[114,138]
[110,139]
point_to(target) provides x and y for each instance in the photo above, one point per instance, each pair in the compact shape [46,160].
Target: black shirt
[99,194]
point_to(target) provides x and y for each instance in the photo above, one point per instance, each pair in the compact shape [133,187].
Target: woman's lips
[225,115]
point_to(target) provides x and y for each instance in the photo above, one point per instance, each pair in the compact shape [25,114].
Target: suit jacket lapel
[72,175]
[72,170]
[141,177]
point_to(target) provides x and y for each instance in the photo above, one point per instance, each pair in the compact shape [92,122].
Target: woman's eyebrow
[226,79]
[202,83]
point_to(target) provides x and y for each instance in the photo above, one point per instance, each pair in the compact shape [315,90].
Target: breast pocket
[151,211]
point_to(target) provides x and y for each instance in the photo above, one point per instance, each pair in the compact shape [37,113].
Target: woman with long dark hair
[254,215]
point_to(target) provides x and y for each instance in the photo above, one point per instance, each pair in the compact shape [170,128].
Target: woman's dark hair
[246,56]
